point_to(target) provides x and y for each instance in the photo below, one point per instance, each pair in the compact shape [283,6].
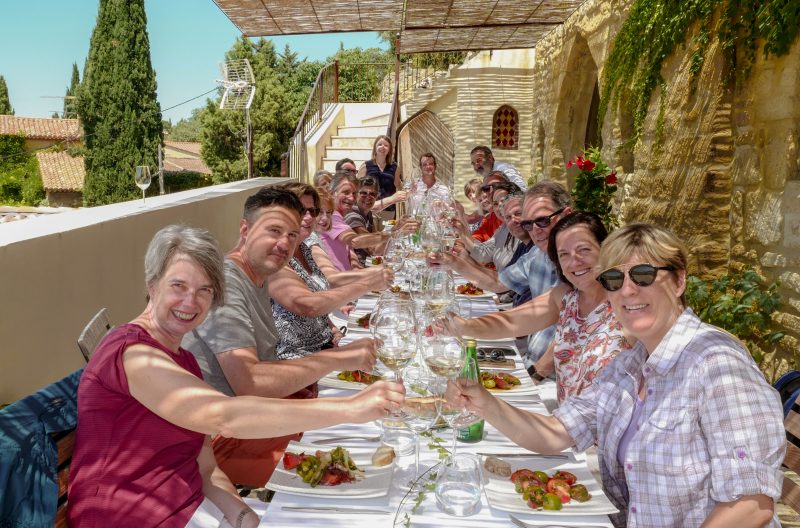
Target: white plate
[526,386]
[501,494]
[483,296]
[332,381]
[376,481]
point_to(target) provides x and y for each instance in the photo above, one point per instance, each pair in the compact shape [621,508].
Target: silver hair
[195,243]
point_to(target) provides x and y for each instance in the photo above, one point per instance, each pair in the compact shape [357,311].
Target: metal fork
[523,524]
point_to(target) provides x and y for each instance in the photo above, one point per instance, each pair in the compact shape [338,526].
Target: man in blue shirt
[545,204]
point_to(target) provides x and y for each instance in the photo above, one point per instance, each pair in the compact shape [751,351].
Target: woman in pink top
[341,238]
[143,455]
[588,336]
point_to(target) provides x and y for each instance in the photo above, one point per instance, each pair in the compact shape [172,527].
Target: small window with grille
[505,128]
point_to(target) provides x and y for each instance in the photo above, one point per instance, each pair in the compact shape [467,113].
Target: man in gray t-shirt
[235,345]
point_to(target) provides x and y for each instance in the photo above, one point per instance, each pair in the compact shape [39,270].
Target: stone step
[352,153]
[378,120]
[351,142]
[370,131]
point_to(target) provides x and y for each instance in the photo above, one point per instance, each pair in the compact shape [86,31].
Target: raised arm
[183,399]
[361,241]
[278,379]
[288,289]
[536,314]
[481,276]
[336,277]
[539,433]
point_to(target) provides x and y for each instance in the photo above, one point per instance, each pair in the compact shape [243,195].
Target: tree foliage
[20,181]
[117,103]
[282,85]
[5,102]
[70,111]
[187,128]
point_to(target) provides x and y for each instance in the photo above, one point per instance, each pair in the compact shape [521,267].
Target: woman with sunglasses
[341,238]
[688,431]
[587,337]
[301,295]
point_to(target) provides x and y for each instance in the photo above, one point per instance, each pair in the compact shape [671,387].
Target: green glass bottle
[471,370]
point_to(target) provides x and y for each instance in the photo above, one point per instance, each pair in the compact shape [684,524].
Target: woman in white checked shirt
[688,431]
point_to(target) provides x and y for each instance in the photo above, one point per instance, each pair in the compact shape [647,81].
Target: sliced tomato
[500,383]
[292,460]
[522,473]
[566,476]
[331,478]
[560,488]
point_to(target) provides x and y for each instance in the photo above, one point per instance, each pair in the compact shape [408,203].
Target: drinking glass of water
[458,485]
[142,179]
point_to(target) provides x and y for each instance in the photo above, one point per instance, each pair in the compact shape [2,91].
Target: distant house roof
[61,172]
[184,156]
[41,128]
[191,147]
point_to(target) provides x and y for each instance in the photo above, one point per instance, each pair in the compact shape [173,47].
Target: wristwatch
[533,374]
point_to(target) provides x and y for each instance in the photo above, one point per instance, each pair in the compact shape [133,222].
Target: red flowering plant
[595,186]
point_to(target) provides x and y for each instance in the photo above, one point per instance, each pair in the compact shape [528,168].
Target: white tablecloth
[427,514]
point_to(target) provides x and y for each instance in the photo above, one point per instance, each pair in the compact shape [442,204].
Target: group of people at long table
[205,388]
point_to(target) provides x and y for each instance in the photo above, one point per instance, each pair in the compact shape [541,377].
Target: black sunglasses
[489,186]
[497,355]
[612,279]
[542,221]
[313,211]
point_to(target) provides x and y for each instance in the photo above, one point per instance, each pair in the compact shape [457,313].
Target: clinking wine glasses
[395,331]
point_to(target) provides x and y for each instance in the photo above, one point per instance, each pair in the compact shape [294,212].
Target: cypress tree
[117,103]
[72,92]
[5,102]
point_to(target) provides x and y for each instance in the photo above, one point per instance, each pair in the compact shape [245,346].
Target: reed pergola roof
[423,25]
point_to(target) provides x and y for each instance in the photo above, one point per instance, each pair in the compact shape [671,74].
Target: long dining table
[397,506]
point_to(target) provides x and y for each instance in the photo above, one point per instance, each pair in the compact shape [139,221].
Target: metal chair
[96,330]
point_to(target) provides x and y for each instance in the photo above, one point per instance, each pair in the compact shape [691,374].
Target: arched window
[505,129]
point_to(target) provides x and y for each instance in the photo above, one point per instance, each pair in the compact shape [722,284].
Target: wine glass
[420,403]
[438,290]
[396,334]
[445,357]
[142,179]
[430,236]
[394,255]
[470,372]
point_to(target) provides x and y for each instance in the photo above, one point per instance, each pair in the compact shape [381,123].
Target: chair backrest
[65,442]
[96,330]
[791,491]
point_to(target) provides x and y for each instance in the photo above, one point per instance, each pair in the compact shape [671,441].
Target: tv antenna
[239,85]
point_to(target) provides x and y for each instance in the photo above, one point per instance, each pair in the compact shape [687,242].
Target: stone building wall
[466,99]
[725,176]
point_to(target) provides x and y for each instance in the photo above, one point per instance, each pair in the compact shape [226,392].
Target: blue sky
[188,38]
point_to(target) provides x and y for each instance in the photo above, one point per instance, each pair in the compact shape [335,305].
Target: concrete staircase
[362,124]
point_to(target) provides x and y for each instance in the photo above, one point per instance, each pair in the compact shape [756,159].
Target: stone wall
[725,176]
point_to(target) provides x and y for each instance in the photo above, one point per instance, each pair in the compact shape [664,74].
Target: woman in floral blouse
[588,337]
[688,431]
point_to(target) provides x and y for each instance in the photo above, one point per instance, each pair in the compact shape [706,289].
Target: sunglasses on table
[497,355]
[612,279]
[541,222]
[313,211]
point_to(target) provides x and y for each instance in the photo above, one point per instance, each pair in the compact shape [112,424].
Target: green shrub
[20,181]
[741,303]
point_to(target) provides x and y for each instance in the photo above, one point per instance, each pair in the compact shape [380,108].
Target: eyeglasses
[496,355]
[313,211]
[367,193]
[541,222]
[612,279]
[489,186]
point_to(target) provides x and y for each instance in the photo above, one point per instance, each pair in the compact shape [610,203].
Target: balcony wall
[59,270]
